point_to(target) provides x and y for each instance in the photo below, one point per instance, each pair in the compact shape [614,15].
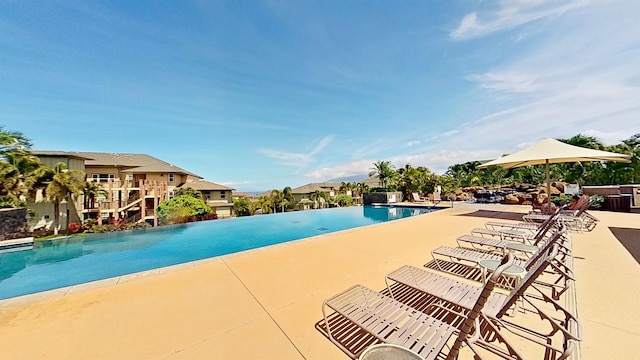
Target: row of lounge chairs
[435,315]
[415,197]
[576,218]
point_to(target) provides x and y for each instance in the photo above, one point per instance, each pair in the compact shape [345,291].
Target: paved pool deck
[264,303]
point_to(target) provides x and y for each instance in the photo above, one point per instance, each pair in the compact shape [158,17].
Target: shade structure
[550,151]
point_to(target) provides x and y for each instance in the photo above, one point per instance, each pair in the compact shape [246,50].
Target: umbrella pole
[548,187]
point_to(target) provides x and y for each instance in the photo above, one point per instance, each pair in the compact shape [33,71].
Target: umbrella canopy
[553,151]
[550,151]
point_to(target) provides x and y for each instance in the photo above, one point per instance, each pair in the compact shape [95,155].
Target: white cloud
[437,161]
[610,137]
[507,81]
[341,170]
[580,79]
[298,159]
[510,14]
[373,147]
[235,183]
[572,77]
[446,134]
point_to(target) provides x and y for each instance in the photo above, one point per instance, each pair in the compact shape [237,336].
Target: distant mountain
[353,178]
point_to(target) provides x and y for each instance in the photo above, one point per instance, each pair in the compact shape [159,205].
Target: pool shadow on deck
[630,239]
[492,214]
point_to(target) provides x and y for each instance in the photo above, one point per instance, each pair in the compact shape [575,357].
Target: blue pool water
[77,260]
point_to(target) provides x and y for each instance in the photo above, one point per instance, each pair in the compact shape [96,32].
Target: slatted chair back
[534,272]
[470,323]
[546,248]
[544,228]
[584,206]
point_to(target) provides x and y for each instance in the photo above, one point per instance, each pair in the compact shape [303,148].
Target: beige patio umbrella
[550,151]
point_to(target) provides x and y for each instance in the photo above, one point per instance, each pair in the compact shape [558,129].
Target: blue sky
[266,94]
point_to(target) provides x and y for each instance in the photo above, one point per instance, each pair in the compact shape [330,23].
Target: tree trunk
[56,216]
[67,222]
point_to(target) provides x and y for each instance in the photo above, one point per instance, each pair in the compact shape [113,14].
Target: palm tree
[278,199]
[585,142]
[384,170]
[633,146]
[90,191]
[361,188]
[13,143]
[189,192]
[288,196]
[65,185]
[319,197]
[20,170]
[10,180]
[244,207]
[265,204]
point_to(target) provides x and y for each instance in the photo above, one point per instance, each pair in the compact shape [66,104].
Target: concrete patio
[264,303]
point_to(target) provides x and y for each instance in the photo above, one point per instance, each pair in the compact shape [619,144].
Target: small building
[302,194]
[219,197]
[243,195]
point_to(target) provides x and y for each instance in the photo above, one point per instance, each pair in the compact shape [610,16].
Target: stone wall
[382,198]
[13,223]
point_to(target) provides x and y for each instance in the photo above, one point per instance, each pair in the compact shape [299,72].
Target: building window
[222,194]
[172,177]
[103,177]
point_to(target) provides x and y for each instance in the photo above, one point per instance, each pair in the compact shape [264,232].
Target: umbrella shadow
[492,214]
[630,239]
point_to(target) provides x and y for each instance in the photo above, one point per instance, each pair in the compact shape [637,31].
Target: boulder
[558,185]
[511,199]
[542,197]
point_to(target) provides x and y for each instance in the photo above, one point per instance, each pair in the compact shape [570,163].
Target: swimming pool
[71,261]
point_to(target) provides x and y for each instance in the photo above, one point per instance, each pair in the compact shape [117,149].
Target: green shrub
[561,200]
[9,201]
[180,208]
[596,202]
[343,200]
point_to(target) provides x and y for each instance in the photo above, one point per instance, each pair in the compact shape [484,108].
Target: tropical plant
[74,227]
[265,204]
[10,201]
[319,198]
[385,172]
[343,200]
[287,192]
[420,180]
[13,143]
[633,144]
[90,191]
[65,185]
[361,189]
[181,208]
[244,207]
[189,192]
[279,200]
[21,172]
